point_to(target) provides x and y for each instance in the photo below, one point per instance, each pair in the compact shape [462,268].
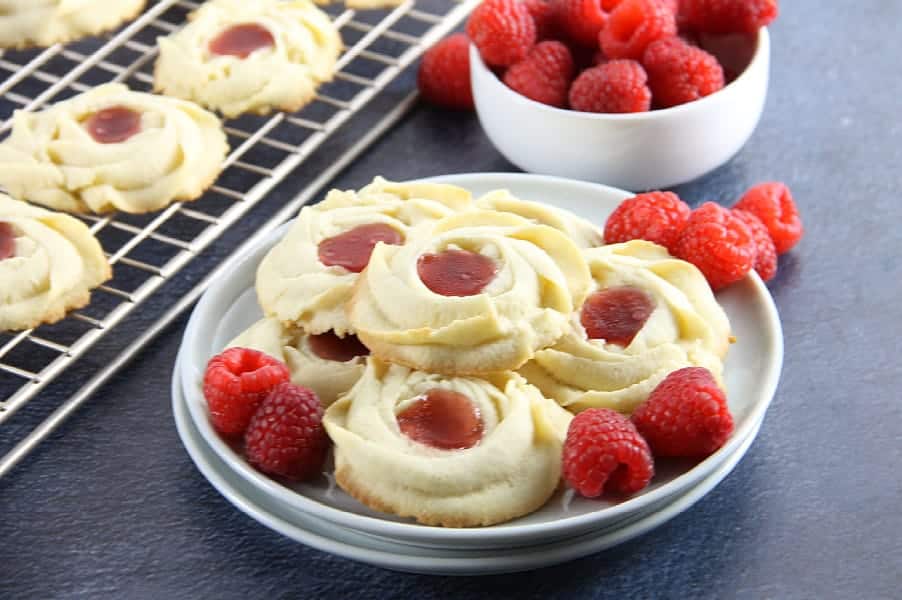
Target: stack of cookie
[114,149]
[448,337]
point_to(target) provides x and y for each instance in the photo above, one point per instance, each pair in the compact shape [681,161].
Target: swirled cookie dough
[533,277]
[112,149]
[329,376]
[583,233]
[297,287]
[509,467]
[236,56]
[49,263]
[685,326]
[25,23]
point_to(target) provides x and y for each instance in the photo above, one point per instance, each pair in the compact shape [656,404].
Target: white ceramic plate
[354,545]
[751,374]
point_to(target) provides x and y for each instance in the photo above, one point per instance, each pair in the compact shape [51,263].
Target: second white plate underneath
[354,545]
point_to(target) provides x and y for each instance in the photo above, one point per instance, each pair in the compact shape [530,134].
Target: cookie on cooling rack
[478,292]
[236,56]
[25,23]
[112,149]
[49,263]
[307,279]
[452,451]
[647,315]
[325,363]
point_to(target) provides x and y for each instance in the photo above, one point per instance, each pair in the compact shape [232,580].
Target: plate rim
[535,556]
[558,527]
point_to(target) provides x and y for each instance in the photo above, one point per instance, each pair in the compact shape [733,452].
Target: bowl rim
[762,53]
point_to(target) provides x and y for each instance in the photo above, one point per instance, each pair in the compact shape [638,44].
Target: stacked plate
[324,517]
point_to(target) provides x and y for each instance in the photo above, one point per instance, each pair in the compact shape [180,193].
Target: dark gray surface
[111,506]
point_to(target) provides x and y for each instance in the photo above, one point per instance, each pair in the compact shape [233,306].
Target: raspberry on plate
[544,14]
[604,452]
[772,203]
[582,20]
[718,243]
[444,75]
[766,253]
[657,217]
[503,31]
[616,86]
[235,383]
[544,75]
[286,435]
[729,16]
[679,72]
[634,25]
[686,415]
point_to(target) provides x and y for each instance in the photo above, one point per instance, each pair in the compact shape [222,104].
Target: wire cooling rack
[149,251]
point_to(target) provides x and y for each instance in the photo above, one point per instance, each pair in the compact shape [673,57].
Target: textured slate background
[111,506]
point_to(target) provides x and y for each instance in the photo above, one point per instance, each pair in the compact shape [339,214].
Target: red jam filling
[456,272]
[352,249]
[329,346]
[114,124]
[7,241]
[443,419]
[242,40]
[616,315]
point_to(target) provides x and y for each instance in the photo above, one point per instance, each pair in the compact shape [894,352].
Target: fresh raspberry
[718,243]
[634,25]
[582,20]
[444,75]
[658,217]
[544,75]
[503,30]
[680,73]
[603,452]
[772,203]
[598,58]
[286,436]
[544,14]
[671,5]
[235,383]
[681,20]
[729,16]
[685,416]
[616,86]
[766,252]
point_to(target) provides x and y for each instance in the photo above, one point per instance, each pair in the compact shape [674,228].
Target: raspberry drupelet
[604,453]
[235,383]
[686,415]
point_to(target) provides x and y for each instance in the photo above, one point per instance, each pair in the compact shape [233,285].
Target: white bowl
[751,373]
[636,151]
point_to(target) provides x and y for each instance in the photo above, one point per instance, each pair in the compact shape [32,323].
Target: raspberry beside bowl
[636,151]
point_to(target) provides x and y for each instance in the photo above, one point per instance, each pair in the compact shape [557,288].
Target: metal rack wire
[147,251]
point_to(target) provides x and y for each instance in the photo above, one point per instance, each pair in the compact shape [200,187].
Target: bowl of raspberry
[637,94]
